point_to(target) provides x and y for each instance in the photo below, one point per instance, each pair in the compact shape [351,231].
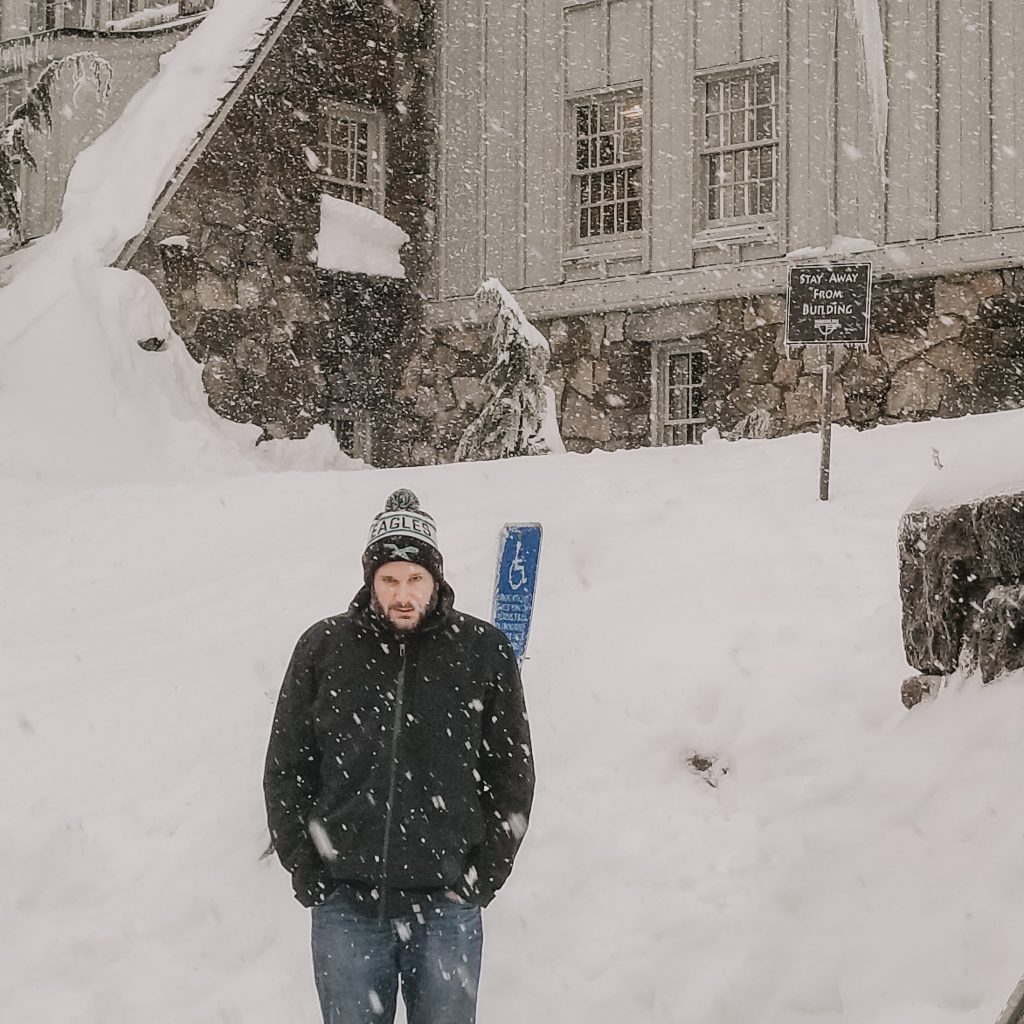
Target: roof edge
[205,137]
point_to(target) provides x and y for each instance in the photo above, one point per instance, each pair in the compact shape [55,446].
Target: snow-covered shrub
[36,114]
[519,416]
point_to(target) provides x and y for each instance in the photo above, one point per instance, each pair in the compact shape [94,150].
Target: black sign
[829,305]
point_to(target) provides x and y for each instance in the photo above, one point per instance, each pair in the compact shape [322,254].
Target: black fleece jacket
[399,765]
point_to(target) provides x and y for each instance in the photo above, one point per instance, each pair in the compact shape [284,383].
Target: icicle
[869,24]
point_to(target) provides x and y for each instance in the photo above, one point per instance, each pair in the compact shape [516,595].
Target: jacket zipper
[392,785]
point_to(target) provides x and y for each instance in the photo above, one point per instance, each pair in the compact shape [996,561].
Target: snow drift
[852,863]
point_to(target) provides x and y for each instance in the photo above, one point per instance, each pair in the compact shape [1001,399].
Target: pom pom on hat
[403,532]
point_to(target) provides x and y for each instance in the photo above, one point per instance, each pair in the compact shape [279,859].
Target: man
[398,783]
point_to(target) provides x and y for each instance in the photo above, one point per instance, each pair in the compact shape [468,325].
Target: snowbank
[855,864]
[990,463]
[358,240]
[83,402]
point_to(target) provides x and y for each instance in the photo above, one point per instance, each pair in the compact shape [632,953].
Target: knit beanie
[403,532]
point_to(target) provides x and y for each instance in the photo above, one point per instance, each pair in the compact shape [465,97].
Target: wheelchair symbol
[517,568]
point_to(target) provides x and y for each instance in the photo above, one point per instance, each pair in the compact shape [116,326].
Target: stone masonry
[284,344]
[938,347]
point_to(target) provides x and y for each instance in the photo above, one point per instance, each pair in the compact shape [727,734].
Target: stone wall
[939,347]
[283,344]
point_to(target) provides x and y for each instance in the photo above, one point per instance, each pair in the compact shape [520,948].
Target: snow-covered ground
[856,864]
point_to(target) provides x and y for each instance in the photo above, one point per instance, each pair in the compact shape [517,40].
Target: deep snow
[856,864]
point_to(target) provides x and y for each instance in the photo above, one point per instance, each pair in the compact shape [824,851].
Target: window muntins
[679,369]
[608,167]
[352,154]
[739,151]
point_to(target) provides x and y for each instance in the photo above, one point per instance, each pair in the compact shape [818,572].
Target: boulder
[919,688]
[951,560]
[1001,632]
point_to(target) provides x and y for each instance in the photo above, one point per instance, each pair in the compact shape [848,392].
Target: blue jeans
[359,960]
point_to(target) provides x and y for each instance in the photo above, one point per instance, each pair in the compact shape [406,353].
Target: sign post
[828,305]
[515,583]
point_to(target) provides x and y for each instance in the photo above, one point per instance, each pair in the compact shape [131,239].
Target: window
[607,179]
[352,151]
[740,145]
[679,374]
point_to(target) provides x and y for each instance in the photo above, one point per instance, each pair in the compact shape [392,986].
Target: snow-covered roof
[243,43]
[70,323]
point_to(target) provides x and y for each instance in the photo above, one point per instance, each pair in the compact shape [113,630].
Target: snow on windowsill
[841,245]
[356,240]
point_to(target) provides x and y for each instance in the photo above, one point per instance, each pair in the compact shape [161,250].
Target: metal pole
[826,420]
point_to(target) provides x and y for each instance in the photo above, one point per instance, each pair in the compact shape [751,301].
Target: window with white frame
[352,154]
[679,370]
[607,175]
[739,145]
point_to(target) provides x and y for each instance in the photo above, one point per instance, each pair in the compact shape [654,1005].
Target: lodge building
[641,174]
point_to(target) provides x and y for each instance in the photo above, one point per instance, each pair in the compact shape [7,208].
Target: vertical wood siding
[462,152]
[504,115]
[858,175]
[761,29]
[913,120]
[717,32]
[672,128]
[1008,113]
[811,127]
[965,183]
[586,40]
[955,137]
[628,41]
[544,106]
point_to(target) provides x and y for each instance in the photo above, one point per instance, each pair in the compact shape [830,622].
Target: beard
[410,625]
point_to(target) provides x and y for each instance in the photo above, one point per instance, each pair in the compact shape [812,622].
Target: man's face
[404,594]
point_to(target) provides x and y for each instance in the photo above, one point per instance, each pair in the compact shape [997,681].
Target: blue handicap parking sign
[516,582]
